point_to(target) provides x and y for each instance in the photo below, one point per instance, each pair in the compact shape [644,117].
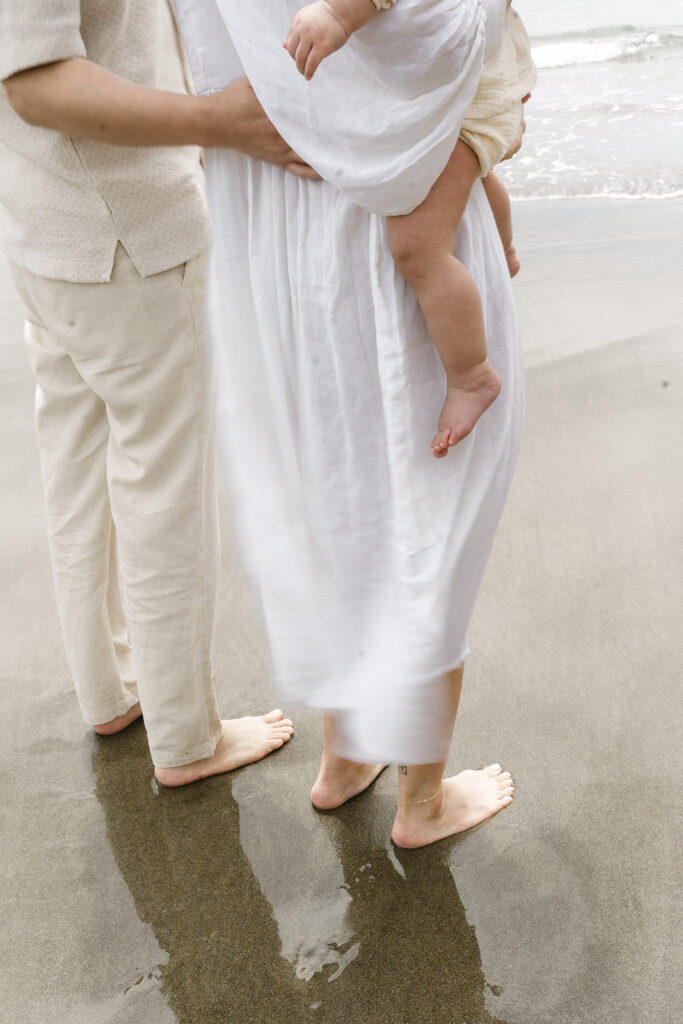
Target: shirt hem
[100,271]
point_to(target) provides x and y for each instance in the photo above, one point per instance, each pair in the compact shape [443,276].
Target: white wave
[604,45]
[554,178]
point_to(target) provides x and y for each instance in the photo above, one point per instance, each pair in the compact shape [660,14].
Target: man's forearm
[85,100]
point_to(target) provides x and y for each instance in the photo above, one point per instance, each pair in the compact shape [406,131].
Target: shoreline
[594,273]
[609,197]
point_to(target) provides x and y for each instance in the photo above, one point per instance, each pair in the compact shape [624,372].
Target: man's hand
[241,123]
[314,34]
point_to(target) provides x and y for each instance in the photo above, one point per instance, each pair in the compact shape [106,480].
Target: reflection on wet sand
[380,932]
[418,953]
[179,853]
[312,920]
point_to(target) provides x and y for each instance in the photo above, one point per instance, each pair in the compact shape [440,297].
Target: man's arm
[84,100]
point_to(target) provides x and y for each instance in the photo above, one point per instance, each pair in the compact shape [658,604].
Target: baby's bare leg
[422,246]
[499,201]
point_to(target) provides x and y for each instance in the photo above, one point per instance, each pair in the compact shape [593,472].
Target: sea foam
[625,43]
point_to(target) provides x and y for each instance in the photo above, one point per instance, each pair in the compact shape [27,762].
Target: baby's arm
[322,27]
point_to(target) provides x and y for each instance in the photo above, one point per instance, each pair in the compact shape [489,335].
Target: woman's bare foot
[463,801]
[244,740]
[468,396]
[119,723]
[339,780]
[514,262]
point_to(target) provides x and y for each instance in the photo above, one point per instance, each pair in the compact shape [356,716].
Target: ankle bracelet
[409,803]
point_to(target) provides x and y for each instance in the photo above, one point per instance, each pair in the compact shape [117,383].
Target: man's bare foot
[468,396]
[119,723]
[244,740]
[514,262]
[339,780]
[463,801]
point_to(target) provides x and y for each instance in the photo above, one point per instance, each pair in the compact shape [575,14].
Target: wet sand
[233,901]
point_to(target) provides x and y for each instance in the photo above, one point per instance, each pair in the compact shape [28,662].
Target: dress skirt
[366,552]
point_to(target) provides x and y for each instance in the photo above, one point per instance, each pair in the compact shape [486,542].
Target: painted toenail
[494,767]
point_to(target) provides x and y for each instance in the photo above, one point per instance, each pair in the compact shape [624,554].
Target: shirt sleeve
[35,32]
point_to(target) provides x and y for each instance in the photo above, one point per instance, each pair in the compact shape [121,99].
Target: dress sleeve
[35,32]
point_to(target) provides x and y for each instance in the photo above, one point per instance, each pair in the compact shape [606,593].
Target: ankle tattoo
[403,768]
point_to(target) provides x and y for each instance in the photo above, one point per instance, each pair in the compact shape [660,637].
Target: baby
[422,241]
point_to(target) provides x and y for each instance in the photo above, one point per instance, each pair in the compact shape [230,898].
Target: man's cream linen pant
[124,431]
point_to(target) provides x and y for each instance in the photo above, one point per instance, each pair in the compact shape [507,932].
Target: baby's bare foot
[463,801]
[119,723]
[339,780]
[514,262]
[468,396]
[244,740]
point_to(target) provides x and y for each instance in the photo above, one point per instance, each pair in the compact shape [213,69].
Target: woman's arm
[84,100]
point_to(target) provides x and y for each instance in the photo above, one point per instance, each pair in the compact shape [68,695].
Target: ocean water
[606,116]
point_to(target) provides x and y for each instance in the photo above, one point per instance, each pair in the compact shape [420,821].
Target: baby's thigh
[432,225]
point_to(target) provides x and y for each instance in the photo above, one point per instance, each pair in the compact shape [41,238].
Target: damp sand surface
[232,900]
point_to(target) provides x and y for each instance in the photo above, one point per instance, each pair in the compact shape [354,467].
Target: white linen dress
[366,551]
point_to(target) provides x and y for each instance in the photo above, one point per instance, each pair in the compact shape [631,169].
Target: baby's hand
[516,144]
[314,34]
